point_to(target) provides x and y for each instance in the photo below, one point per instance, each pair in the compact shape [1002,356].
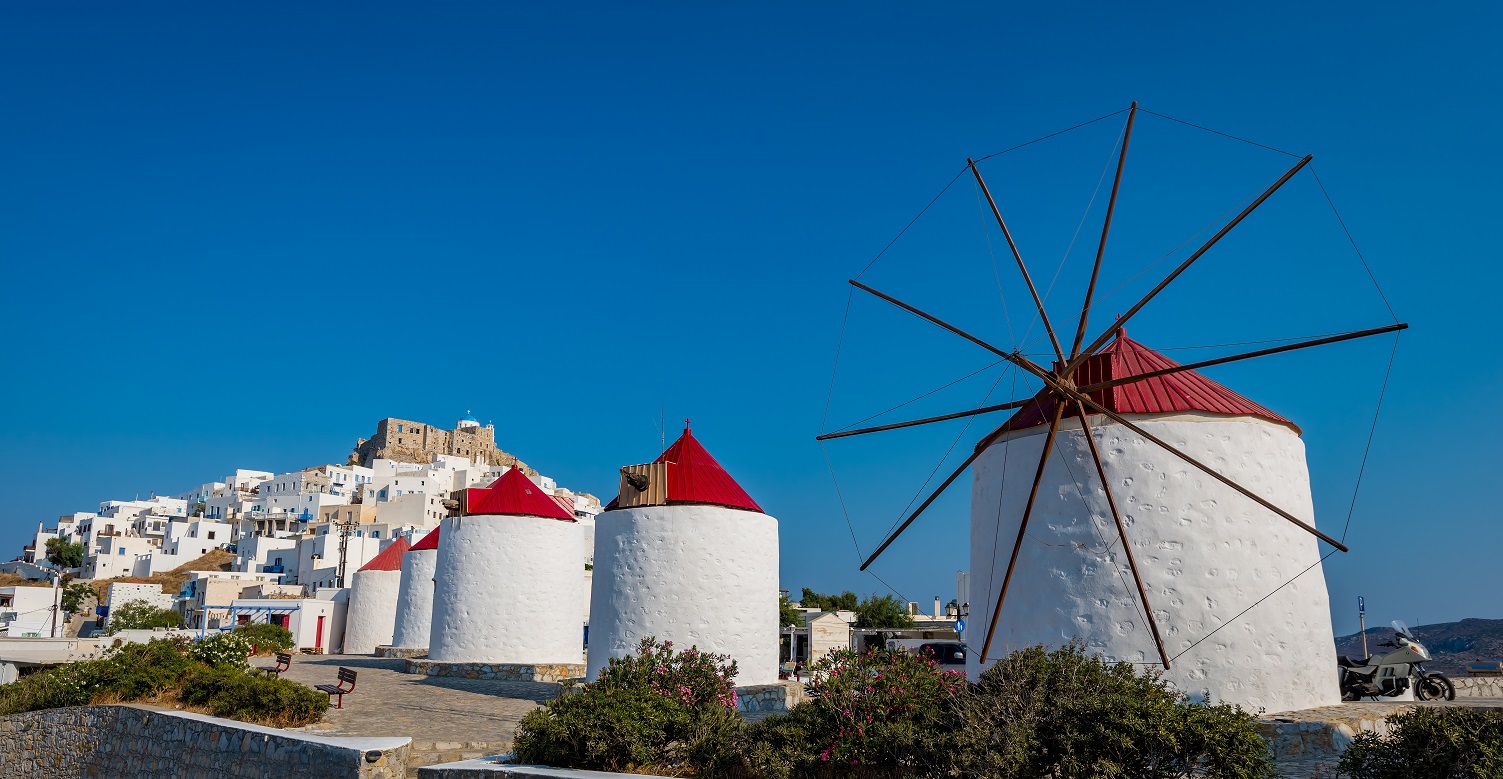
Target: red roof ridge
[429,541]
[696,477]
[514,495]
[390,558]
[1170,393]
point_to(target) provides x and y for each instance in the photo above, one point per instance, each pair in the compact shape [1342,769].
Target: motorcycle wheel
[1435,687]
[1348,694]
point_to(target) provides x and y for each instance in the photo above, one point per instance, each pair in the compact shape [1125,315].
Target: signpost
[1362,621]
[959,626]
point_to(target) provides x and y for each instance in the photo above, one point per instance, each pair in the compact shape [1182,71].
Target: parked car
[946,652]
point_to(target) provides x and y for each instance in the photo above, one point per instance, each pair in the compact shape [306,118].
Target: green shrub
[667,710]
[884,711]
[222,649]
[235,693]
[140,615]
[1066,714]
[266,637]
[49,689]
[1430,743]
[136,671]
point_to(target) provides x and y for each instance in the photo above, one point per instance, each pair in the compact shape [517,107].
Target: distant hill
[1453,645]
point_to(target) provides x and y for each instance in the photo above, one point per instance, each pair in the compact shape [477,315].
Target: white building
[1206,553]
[685,555]
[121,593]
[510,583]
[27,612]
[315,624]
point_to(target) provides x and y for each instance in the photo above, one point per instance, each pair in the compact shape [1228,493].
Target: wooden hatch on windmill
[1201,556]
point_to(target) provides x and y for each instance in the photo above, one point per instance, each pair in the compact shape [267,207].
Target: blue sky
[238,236]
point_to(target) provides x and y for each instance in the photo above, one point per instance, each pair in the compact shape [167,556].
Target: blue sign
[959,626]
[1361,605]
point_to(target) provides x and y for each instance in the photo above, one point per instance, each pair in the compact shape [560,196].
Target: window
[375,534]
[211,535]
[399,428]
[122,551]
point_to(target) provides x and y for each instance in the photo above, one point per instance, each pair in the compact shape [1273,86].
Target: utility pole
[56,579]
[344,545]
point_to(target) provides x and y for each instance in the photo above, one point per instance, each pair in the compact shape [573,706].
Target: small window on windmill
[644,485]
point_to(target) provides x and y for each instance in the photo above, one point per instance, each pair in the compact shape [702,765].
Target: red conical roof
[390,558]
[429,541]
[1174,392]
[695,477]
[514,494]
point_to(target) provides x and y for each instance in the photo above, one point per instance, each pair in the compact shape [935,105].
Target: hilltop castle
[415,442]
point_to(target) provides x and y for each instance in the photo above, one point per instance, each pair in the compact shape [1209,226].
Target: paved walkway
[447,719]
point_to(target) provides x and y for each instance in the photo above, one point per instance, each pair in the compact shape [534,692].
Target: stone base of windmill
[403,652]
[501,672]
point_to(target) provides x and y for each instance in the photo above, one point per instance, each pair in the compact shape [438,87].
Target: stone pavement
[447,719]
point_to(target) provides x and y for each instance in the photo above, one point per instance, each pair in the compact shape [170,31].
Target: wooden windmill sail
[1076,386]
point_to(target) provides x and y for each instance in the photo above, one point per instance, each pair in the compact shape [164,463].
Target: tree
[74,595]
[845,601]
[883,611]
[140,615]
[788,616]
[63,554]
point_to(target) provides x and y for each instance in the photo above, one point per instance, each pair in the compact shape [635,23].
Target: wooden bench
[1485,669]
[284,661]
[345,675]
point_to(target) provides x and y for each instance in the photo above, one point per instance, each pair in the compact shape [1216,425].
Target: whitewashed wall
[510,590]
[372,616]
[1206,554]
[415,599]
[700,576]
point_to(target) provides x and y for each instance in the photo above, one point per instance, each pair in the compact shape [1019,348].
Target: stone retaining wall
[134,742]
[386,650]
[766,698]
[1478,686]
[504,672]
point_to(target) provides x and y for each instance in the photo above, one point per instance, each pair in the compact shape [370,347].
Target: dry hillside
[1452,645]
[172,581]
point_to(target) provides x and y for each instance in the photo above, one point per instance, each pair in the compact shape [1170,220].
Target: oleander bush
[1430,743]
[167,671]
[266,638]
[668,710]
[879,713]
[1065,714]
[884,714]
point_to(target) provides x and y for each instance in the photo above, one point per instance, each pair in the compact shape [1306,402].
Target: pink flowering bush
[879,713]
[661,710]
[690,677]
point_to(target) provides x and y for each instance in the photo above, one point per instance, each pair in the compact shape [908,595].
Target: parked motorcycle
[1391,674]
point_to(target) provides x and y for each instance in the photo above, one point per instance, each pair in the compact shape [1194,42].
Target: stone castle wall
[132,742]
[404,440]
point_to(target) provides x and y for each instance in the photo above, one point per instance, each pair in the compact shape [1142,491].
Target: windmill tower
[683,554]
[1139,507]
[510,581]
[373,600]
[415,595]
